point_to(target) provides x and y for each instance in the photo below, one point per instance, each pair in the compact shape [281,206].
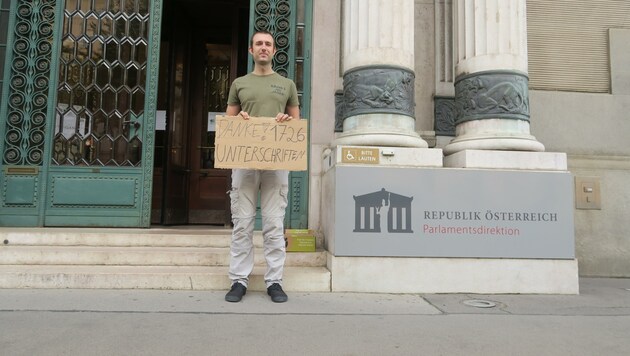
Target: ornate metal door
[290,22]
[81,89]
[77,113]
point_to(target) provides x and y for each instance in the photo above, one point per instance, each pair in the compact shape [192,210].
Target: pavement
[168,322]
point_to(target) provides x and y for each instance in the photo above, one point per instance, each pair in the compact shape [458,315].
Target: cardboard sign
[260,143]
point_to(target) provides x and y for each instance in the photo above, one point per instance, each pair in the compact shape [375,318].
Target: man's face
[262,48]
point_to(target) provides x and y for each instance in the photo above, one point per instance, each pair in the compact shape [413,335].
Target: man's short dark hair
[251,40]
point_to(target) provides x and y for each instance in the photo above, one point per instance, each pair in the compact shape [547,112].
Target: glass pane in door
[102,77]
[217,86]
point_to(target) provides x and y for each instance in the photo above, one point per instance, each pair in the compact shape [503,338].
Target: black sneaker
[276,293]
[236,293]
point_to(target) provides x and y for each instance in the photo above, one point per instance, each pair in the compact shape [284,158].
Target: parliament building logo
[382,211]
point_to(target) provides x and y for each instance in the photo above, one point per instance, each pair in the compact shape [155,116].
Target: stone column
[377,106]
[491,84]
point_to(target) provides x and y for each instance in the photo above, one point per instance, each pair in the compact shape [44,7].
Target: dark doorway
[203,49]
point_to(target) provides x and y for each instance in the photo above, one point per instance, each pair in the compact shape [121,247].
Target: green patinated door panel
[80,112]
[102,145]
[28,48]
[290,22]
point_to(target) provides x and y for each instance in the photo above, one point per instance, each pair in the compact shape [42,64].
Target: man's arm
[293,111]
[235,110]
[290,113]
[232,110]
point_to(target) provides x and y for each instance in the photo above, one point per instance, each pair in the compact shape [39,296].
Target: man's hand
[244,115]
[283,117]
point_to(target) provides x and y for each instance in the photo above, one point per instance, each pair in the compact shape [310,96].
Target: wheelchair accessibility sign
[359,155]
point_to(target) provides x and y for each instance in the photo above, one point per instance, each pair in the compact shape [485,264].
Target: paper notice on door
[261,143]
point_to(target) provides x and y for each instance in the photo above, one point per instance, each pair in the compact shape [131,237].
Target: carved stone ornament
[368,90]
[492,95]
[339,111]
[444,116]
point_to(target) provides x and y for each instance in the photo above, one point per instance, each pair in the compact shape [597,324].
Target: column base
[380,139]
[493,134]
[496,143]
[379,129]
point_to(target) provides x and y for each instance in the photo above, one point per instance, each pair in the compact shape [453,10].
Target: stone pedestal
[453,275]
[374,156]
[481,159]
[406,225]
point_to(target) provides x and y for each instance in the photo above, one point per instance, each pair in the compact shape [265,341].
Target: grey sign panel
[424,212]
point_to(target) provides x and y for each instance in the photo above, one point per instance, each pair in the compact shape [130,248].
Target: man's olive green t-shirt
[263,95]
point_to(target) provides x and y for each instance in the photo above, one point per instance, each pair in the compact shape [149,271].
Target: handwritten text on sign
[260,143]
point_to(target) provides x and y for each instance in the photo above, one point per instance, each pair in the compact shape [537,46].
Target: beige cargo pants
[273,187]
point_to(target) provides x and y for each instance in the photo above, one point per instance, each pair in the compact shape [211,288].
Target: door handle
[136,124]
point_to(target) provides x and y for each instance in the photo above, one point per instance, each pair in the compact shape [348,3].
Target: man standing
[262,92]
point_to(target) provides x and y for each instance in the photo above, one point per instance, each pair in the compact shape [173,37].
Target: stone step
[164,237]
[156,237]
[302,279]
[141,256]
[190,257]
